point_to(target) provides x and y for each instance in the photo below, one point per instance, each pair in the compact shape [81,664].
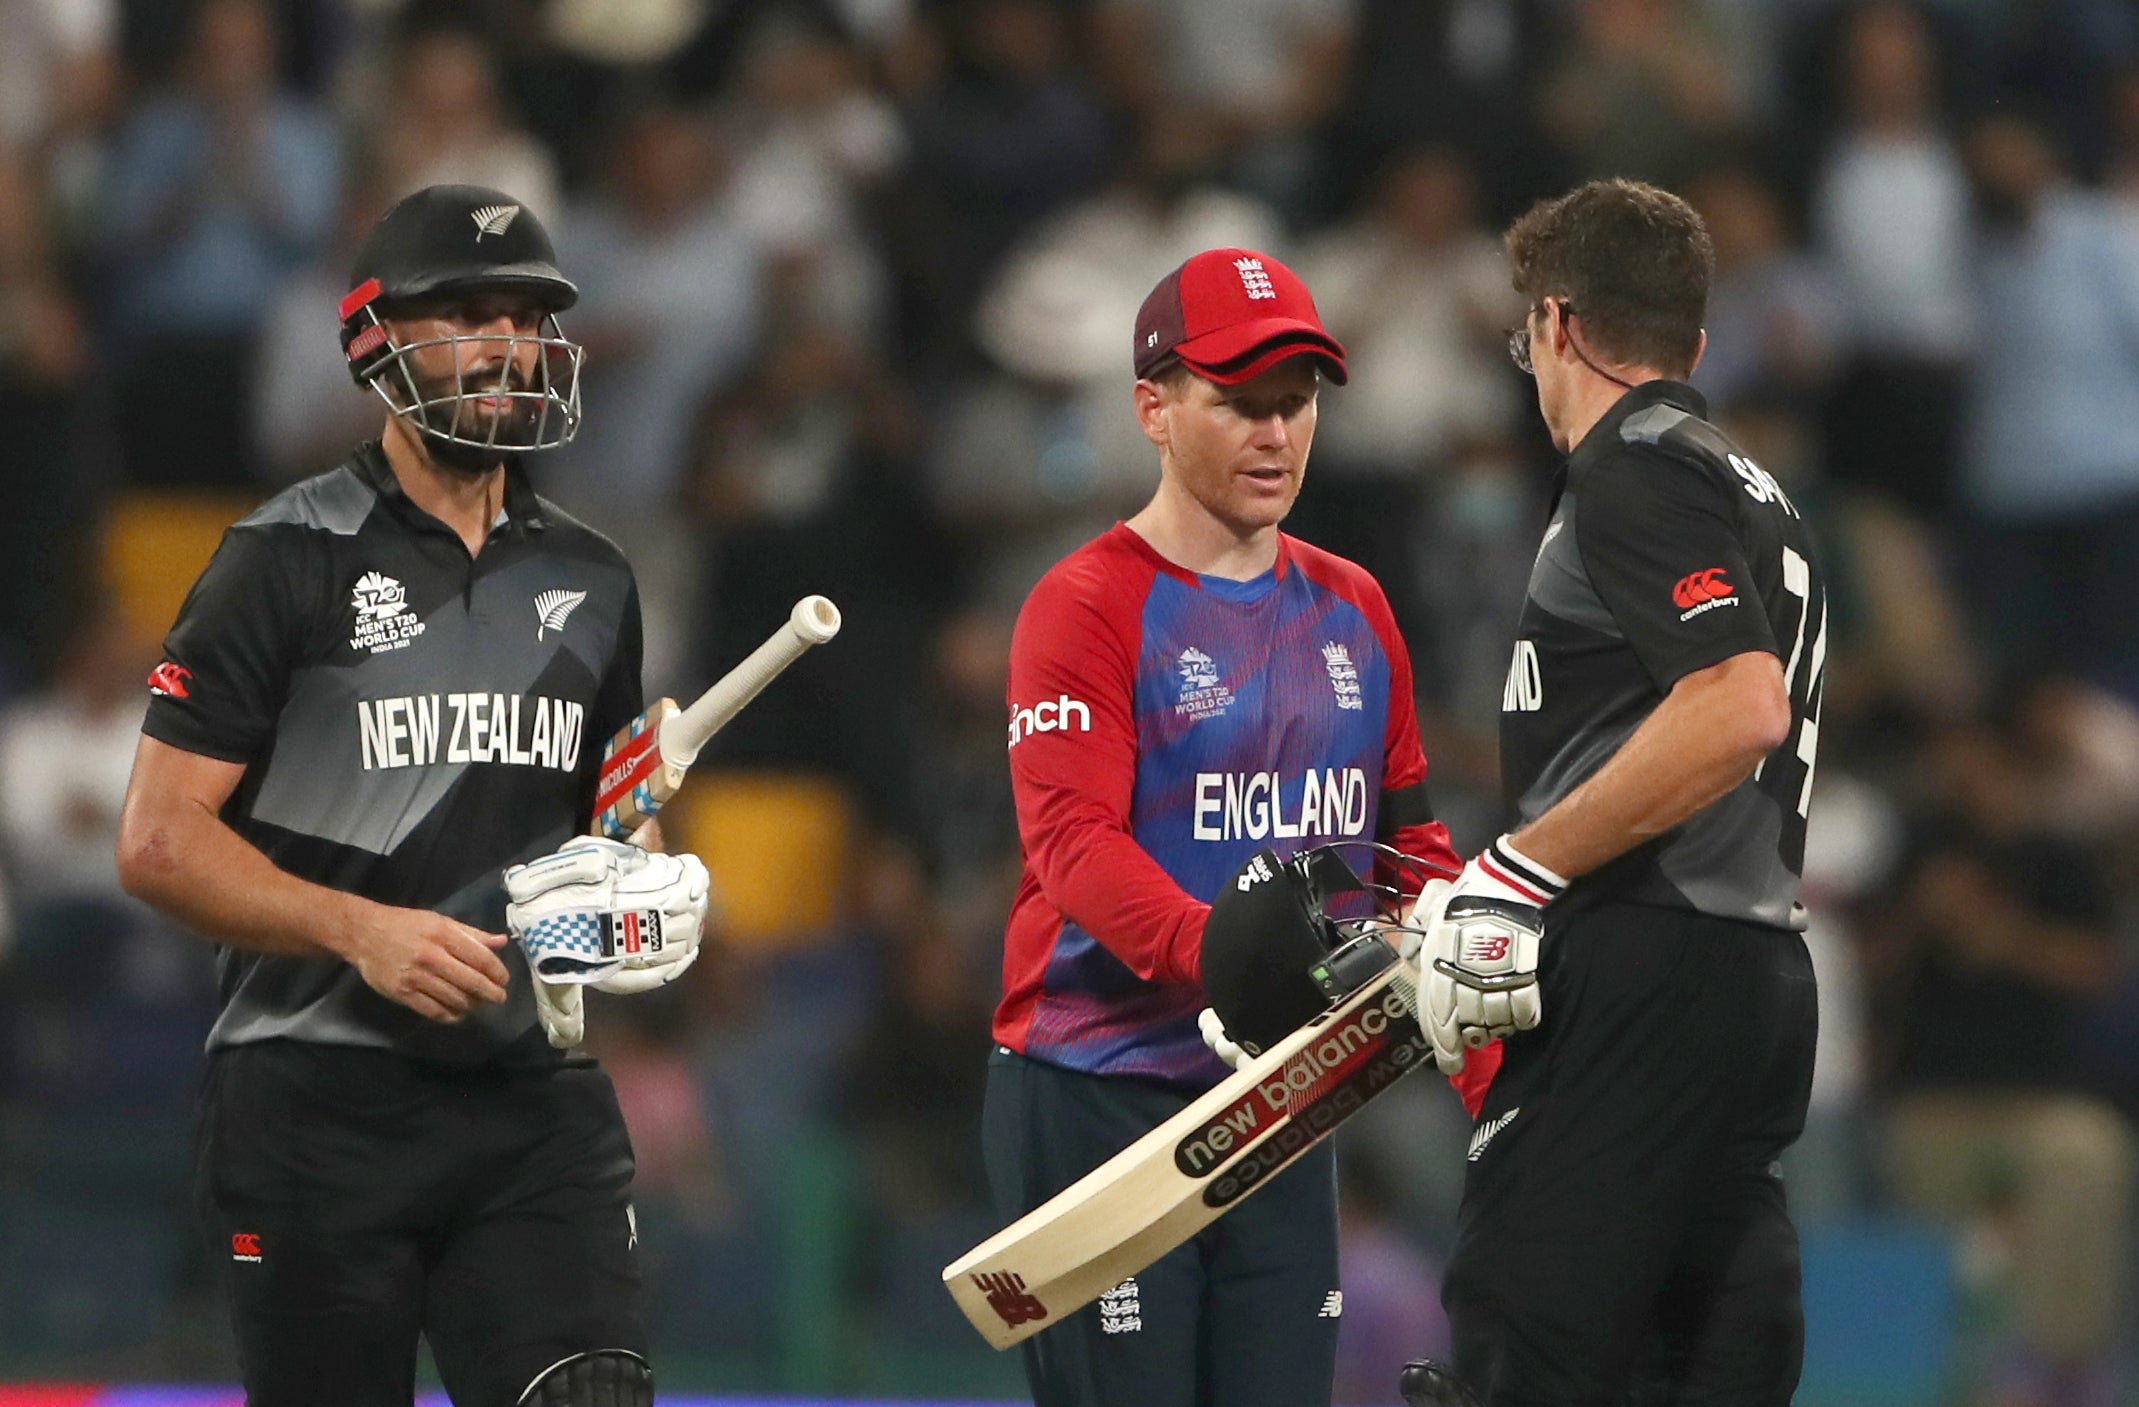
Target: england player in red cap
[1186,689]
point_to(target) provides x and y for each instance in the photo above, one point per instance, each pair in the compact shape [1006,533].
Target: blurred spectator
[44,479]
[219,190]
[973,186]
[1454,71]
[1036,463]
[1990,943]
[1893,421]
[65,755]
[1418,293]
[306,410]
[445,124]
[1775,322]
[1645,92]
[59,85]
[1262,76]
[812,143]
[2052,481]
[671,310]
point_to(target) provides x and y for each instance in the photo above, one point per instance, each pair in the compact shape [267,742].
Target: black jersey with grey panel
[1668,550]
[411,720]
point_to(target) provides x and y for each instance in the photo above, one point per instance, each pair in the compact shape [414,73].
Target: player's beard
[481,436]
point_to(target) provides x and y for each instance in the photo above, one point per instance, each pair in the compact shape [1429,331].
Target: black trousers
[356,1199]
[1623,1237]
[1244,1314]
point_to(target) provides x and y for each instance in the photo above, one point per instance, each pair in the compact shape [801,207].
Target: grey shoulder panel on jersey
[336,501]
[1577,762]
[1647,427]
[1559,582]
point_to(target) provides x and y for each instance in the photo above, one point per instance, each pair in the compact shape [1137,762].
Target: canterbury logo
[1707,585]
[493,220]
[1009,1298]
[1486,1130]
[553,607]
[245,1246]
[168,681]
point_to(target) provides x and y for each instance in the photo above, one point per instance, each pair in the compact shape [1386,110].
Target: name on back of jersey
[1253,806]
[422,730]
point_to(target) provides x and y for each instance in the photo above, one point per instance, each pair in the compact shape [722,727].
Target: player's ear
[1699,347]
[1151,402]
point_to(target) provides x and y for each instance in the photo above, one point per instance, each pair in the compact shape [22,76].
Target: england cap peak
[1230,315]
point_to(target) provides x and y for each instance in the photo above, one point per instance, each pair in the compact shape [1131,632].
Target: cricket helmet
[1285,938]
[439,243]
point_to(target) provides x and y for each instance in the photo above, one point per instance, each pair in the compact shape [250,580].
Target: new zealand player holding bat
[1185,690]
[382,708]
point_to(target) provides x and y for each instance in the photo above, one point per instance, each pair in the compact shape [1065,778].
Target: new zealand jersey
[1668,550]
[1163,727]
[411,720]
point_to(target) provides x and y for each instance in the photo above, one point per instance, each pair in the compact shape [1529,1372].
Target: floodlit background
[859,280]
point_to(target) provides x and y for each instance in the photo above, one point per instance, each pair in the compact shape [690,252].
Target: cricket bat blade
[1184,1174]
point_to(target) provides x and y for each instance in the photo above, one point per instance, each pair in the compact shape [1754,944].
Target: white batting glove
[1214,1036]
[1479,951]
[602,913]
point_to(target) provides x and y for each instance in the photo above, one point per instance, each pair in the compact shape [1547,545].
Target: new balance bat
[645,762]
[1184,1174]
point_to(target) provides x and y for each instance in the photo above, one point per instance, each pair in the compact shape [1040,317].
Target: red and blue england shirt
[1163,727]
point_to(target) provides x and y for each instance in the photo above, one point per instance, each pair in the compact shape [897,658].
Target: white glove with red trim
[1479,951]
[602,913]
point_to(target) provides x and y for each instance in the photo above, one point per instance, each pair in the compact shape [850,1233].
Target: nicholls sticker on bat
[1298,1085]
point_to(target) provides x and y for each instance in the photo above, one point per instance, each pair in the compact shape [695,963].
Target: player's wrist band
[1519,872]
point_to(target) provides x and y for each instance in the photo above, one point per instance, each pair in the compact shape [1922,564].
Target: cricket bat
[1184,1174]
[644,763]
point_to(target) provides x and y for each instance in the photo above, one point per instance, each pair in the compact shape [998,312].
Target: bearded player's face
[467,355]
[1240,451]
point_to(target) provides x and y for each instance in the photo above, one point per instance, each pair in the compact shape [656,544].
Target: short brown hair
[1634,261]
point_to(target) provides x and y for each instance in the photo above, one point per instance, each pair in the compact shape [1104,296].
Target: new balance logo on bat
[1050,716]
[1008,1297]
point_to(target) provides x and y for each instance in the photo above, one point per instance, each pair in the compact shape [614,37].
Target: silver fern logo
[493,219]
[552,608]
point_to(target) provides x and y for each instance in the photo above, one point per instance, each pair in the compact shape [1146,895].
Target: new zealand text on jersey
[420,730]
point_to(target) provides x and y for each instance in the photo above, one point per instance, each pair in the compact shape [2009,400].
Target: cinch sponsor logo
[517,730]
[1251,805]
[1703,590]
[245,1246]
[1303,1080]
[1050,716]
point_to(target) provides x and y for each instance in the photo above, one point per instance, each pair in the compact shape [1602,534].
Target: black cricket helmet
[437,244]
[1277,924]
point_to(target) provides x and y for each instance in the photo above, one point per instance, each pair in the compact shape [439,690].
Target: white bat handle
[813,621]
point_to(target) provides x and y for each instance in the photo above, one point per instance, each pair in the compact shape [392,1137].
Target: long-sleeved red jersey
[1163,727]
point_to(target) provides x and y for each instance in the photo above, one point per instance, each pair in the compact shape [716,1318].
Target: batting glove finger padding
[1478,959]
[1214,1036]
[606,913]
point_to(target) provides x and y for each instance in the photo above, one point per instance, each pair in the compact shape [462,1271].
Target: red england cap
[1229,315]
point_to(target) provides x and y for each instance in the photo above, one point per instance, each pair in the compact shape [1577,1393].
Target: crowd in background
[857,284]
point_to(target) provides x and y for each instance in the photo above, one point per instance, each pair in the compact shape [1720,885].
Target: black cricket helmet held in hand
[1275,925]
[444,243]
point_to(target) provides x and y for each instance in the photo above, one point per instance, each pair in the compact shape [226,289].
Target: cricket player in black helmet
[370,756]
